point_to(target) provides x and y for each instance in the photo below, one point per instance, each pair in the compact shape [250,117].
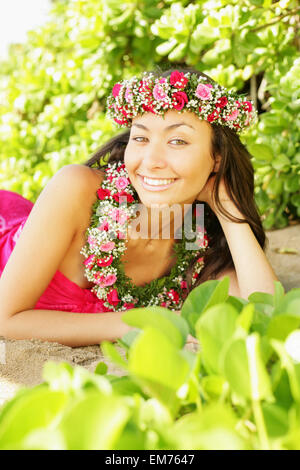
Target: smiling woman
[91,234]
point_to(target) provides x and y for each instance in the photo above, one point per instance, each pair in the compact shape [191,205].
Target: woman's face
[167,162]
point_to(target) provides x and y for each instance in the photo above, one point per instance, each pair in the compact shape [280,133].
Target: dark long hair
[237,171]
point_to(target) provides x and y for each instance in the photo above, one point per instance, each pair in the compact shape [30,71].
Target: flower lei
[106,242]
[179,91]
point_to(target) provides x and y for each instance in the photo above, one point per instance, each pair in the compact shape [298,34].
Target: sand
[21,361]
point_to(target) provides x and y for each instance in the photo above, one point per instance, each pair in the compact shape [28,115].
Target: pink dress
[61,293]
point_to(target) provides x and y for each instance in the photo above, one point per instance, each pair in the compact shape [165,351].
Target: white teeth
[154,182]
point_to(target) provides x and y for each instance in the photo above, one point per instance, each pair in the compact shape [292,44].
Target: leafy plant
[240,390]
[53,87]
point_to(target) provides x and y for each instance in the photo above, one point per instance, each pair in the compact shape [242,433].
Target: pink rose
[162,80]
[104,226]
[121,236]
[103,262]
[118,215]
[121,183]
[116,89]
[183,285]
[109,246]
[159,93]
[232,116]
[203,91]
[128,95]
[179,99]
[112,297]
[104,281]
[178,79]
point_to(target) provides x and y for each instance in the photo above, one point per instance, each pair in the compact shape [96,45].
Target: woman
[79,251]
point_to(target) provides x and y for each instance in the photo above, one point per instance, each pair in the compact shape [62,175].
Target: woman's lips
[149,187]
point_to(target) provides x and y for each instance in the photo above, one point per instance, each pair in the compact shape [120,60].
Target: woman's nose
[154,157]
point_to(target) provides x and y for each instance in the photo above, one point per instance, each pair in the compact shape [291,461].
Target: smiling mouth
[156,184]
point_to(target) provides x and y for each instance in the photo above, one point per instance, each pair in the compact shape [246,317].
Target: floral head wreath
[180,91]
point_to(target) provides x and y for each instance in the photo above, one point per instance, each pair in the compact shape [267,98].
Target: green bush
[240,391]
[53,88]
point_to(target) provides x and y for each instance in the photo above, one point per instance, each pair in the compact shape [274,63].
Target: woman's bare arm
[43,242]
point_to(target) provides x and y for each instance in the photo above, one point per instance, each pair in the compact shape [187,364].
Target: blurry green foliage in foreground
[239,391]
[53,88]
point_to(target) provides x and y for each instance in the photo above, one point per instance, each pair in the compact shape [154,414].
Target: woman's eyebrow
[172,126]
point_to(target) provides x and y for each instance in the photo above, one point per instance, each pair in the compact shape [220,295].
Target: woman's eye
[180,140]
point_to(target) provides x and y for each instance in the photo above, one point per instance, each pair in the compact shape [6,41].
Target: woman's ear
[217,164]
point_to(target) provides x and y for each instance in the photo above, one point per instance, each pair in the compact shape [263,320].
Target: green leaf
[213,386]
[246,316]
[244,369]
[214,329]
[202,298]
[261,152]
[110,351]
[276,419]
[159,366]
[212,429]
[168,322]
[101,418]
[281,326]
[30,412]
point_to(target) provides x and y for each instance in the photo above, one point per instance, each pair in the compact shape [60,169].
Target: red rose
[173,295]
[247,106]
[112,297]
[124,195]
[103,193]
[105,261]
[179,99]
[221,102]
[128,306]
[148,108]
[178,79]
[213,116]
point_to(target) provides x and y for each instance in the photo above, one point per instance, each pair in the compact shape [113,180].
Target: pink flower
[162,80]
[178,79]
[103,193]
[103,262]
[112,297]
[109,246]
[120,121]
[121,236]
[118,215]
[128,95]
[247,106]
[183,285]
[232,116]
[116,89]
[179,99]
[92,241]
[159,93]
[104,226]
[203,91]
[89,262]
[200,260]
[121,183]
[104,281]
[221,102]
